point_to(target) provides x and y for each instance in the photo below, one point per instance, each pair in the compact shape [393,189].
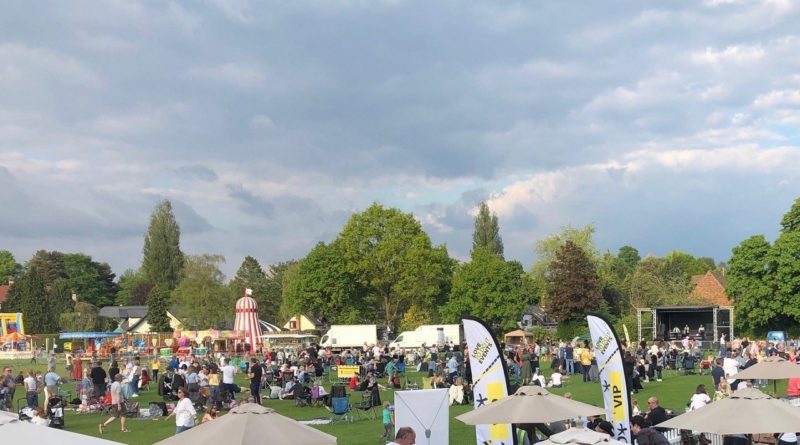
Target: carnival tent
[246,323]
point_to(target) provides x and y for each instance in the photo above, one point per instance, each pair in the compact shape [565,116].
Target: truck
[347,336]
[428,335]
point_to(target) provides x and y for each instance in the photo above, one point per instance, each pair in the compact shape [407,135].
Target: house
[133,319]
[3,294]
[535,316]
[303,323]
[710,289]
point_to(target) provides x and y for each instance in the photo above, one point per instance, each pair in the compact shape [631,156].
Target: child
[388,420]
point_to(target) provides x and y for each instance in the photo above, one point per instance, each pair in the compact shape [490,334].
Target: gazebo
[518,337]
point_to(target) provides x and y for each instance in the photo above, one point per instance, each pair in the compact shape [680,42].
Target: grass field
[674,392]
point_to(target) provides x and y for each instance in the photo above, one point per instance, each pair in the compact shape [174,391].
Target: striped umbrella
[247,320]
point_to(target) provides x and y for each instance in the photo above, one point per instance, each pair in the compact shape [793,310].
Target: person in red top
[353,382]
[793,388]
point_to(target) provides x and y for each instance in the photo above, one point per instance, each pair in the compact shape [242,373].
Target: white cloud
[735,55]
[232,74]
[22,65]
[262,122]
[777,99]
[235,10]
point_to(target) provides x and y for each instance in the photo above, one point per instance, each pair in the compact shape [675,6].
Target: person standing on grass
[256,371]
[154,366]
[388,419]
[31,390]
[227,377]
[117,410]
[184,413]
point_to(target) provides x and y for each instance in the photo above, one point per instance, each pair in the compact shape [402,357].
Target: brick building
[710,289]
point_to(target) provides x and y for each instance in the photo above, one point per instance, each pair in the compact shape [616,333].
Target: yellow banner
[347,371]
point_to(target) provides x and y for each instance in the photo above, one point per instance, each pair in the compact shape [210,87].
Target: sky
[666,125]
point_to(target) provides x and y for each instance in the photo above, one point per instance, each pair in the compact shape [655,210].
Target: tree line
[383,268]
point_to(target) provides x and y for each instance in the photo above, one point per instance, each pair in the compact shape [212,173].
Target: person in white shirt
[40,418]
[700,398]
[731,368]
[227,377]
[31,390]
[555,380]
[184,413]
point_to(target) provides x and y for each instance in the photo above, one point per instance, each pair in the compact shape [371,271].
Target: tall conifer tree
[487,232]
[162,263]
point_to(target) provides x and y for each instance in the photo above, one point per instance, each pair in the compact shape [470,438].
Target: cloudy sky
[665,124]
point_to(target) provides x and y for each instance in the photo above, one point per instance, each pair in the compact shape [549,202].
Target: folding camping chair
[341,409]
[366,408]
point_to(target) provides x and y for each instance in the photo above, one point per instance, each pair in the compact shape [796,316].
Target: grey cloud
[250,203]
[197,173]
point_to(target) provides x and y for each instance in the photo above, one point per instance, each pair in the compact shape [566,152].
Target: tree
[49,264]
[791,220]
[83,318]
[201,298]
[489,288]
[785,279]
[267,286]
[749,285]
[161,264]
[393,260]
[8,266]
[93,282]
[487,232]
[547,249]
[322,286]
[163,259]
[133,288]
[40,305]
[158,301]
[629,257]
[572,284]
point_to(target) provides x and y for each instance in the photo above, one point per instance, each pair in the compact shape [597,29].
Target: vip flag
[616,397]
[489,381]
[248,292]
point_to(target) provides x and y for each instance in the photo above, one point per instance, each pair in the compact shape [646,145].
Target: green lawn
[674,392]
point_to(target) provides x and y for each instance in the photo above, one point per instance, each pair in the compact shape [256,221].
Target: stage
[705,323]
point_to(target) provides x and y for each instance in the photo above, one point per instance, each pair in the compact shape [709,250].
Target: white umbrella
[26,432]
[530,404]
[771,368]
[580,436]
[747,411]
[250,424]
[6,417]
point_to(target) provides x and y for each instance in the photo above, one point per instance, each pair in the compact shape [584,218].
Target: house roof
[123,311]
[717,276]
[4,293]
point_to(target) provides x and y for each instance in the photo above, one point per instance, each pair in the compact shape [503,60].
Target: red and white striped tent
[246,323]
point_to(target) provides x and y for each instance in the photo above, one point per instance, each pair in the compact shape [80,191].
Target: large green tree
[791,220]
[267,286]
[321,285]
[546,250]
[487,232]
[8,266]
[573,286]
[93,282]
[40,304]
[134,288]
[162,263]
[201,298]
[489,288]
[749,285]
[393,259]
